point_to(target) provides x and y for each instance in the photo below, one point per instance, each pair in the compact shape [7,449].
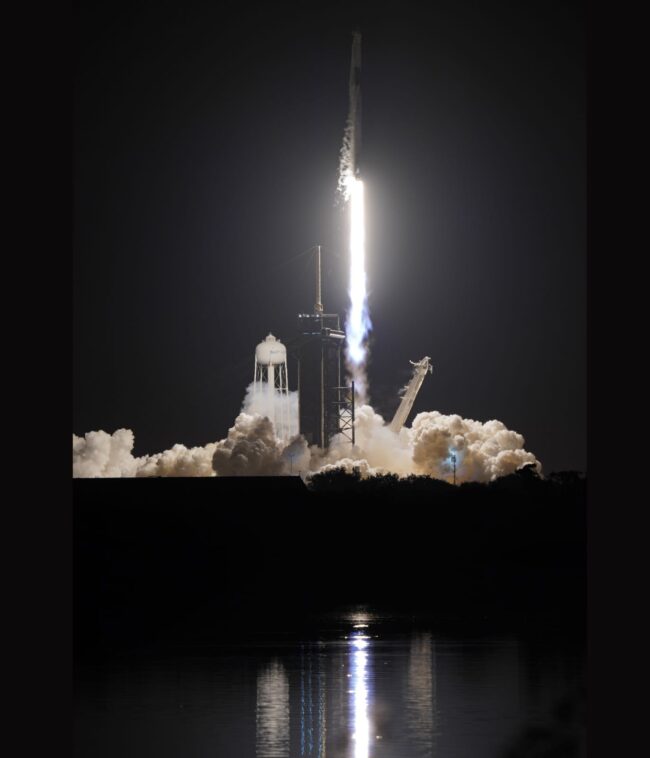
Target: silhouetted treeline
[524,483]
[154,555]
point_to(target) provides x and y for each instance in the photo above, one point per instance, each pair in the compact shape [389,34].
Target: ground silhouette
[156,558]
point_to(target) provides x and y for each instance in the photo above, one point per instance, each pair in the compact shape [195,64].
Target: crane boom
[419,372]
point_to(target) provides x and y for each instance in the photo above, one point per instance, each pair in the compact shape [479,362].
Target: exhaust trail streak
[358,322]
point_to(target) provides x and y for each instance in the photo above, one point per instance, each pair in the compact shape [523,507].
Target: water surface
[356,685]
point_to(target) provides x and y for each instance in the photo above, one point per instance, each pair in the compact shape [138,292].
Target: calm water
[360,686]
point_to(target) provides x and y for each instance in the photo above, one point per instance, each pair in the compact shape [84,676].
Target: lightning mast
[420,370]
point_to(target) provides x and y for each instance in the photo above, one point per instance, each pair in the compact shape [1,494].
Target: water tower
[270,387]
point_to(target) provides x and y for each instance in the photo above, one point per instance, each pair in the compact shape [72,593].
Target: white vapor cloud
[179,461]
[98,454]
[250,449]
[103,455]
[483,450]
[282,410]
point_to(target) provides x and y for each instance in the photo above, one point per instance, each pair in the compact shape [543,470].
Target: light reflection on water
[421,712]
[360,691]
[272,715]
[359,654]
[358,733]
[313,727]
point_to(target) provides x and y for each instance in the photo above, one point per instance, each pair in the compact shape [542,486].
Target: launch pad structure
[326,405]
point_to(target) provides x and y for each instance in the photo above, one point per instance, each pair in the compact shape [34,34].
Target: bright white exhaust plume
[357,324]
[350,186]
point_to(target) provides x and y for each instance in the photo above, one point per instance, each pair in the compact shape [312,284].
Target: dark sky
[205,158]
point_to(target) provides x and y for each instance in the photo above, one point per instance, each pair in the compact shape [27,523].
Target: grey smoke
[352,135]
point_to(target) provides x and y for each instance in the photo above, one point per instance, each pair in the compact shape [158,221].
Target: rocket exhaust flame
[358,323]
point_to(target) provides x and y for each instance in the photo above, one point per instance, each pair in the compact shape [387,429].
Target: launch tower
[326,407]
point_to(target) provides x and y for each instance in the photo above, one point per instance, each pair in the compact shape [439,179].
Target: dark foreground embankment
[185,559]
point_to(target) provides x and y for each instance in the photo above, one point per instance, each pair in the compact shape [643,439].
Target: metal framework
[318,351]
[420,370]
[325,407]
[345,411]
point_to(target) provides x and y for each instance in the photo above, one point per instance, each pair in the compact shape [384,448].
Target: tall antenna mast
[318,307]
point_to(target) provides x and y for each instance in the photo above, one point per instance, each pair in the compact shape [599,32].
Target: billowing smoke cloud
[253,449]
[377,449]
[179,461]
[262,399]
[103,455]
[98,454]
[483,451]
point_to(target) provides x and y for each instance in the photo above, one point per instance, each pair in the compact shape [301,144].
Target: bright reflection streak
[361,722]
[358,321]
[272,713]
[420,697]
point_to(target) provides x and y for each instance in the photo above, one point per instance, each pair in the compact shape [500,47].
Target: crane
[419,372]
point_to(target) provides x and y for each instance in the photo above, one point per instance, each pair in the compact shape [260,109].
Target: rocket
[354,112]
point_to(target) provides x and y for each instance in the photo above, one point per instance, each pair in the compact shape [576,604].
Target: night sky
[206,153]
